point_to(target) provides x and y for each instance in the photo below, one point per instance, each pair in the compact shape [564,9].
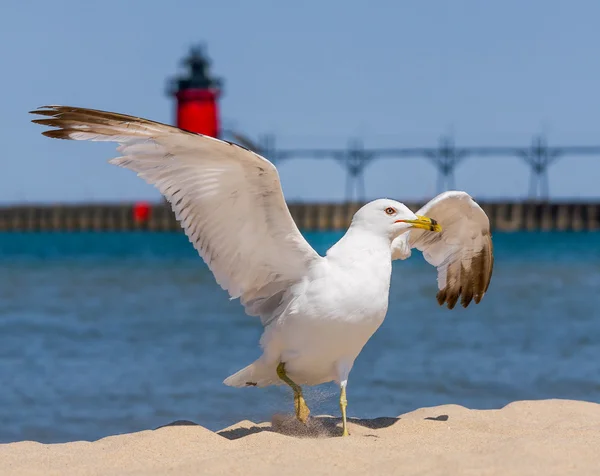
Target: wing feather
[228,199]
[462,252]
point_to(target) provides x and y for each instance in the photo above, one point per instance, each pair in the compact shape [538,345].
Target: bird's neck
[359,244]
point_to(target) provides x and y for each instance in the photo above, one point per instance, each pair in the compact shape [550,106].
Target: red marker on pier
[141,212]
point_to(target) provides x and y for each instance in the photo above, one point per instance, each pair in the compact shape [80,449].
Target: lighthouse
[197,94]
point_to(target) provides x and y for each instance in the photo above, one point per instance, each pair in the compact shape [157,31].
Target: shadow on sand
[316,427]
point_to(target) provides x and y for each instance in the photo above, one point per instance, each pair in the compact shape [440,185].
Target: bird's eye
[390,211]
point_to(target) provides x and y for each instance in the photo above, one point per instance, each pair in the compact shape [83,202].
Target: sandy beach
[529,437]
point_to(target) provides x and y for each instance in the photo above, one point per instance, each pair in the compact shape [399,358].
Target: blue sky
[314,73]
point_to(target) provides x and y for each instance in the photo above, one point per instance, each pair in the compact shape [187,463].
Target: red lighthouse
[197,93]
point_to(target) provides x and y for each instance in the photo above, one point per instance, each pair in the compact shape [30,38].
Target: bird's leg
[343,405]
[300,406]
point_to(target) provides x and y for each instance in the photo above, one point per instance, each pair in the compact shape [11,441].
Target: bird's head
[391,218]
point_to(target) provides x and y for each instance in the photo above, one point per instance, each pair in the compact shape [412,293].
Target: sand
[548,437]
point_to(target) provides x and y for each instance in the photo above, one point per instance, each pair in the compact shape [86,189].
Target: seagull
[318,312]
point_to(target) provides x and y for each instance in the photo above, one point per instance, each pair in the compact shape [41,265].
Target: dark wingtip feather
[441,296]
[453,299]
[45,110]
[44,122]
[489,279]
[57,133]
[467,285]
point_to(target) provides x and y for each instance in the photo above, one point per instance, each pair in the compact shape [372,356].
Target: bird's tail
[256,374]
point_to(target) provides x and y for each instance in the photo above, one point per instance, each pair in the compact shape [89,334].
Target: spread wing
[228,199]
[462,252]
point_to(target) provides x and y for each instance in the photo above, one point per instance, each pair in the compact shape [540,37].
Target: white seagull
[317,312]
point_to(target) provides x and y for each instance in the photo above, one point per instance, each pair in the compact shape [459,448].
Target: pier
[504,216]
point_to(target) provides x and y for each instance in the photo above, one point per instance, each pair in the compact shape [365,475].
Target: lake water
[112,333]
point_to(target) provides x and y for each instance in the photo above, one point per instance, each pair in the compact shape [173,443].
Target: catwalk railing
[504,216]
[445,157]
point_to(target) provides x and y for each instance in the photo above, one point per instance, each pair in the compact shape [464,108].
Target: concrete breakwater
[504,216]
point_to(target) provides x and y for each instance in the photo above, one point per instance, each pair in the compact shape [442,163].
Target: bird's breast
[349,294]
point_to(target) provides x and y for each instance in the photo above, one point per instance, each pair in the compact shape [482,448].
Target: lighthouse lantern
[197,94]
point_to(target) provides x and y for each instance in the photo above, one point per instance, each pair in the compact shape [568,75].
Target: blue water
[111,333]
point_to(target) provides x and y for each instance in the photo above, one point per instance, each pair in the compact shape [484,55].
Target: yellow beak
[425,223]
